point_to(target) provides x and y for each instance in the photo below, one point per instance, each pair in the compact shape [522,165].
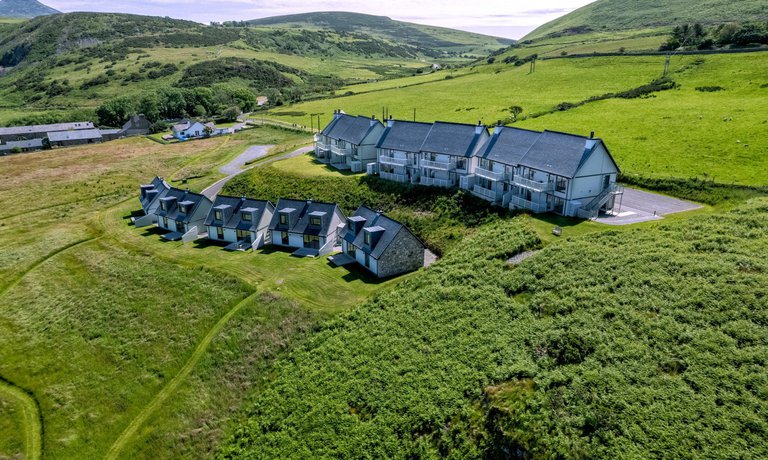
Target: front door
[606,182]
[244,235]
[284,238]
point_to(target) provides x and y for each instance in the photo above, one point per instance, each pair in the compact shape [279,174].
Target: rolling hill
[416,35]
[622,15]
[24,9]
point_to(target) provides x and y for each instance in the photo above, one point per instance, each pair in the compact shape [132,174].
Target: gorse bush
[644,343]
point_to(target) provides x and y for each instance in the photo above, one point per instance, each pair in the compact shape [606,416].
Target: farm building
[309,226]
[243,222]
[24,133]
[382,245]
[75,137]
[138,125]
[349,142]
[183,214]
[21,146]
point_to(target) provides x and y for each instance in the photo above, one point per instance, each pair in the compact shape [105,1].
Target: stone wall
[404,254]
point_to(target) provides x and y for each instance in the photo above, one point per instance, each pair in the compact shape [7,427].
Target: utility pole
[414,114]
[666,64]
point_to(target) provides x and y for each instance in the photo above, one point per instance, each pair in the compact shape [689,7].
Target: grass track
[33,425]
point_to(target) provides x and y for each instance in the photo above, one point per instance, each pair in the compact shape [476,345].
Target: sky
[504,18]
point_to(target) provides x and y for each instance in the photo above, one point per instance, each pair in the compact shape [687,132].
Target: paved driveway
[639,206]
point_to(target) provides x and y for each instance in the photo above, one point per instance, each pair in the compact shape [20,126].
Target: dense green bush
[644,343]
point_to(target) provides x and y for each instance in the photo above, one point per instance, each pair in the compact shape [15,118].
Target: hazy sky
[506,18]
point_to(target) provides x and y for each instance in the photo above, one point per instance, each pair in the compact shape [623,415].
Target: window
[315,221]
[561,184]
[367,238]
[312,241]
[367,260]
[183,209]
[247,217]
[165,222]
[181,227]
[243,235]
[461,163]
[219,233]
[218,215]
[283,219]
[351,250]
[163,206]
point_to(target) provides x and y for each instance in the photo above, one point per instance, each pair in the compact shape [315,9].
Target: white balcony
[436,182]
[488,174]
[323,146]
[393,177]
[520,203]
[490,195]
[341,151]
[440,165]
[388,160]
[534,185]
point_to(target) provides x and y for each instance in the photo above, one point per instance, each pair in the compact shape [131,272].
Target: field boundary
[32,417]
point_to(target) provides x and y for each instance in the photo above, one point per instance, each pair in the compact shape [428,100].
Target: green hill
[24,9]
[621,15]
[415,35]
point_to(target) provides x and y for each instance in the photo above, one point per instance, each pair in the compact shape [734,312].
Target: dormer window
[315,221]
[218,215]
[163,206]
[283,219]
[247,216]
[367,237]
[183,209]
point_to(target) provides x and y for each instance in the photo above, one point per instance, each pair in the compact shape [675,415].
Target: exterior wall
[296,240]
[588,182]
[404,254]
[230,235]
[410,172]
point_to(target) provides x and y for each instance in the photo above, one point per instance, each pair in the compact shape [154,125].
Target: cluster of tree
[169,103]
[696,36]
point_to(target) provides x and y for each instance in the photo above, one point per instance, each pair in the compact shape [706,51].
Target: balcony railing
[393,177]
[341,151]
[488,174]
[441,165]
[388,160]
[323,146]
[482,192]
[521,203]
[436,182]
[534,185]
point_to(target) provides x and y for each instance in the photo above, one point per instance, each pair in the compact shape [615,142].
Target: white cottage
[243,222]
[349,142]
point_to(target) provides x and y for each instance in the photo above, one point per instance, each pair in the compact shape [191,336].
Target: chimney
[373,120]
[390,122]
[592,135]
[479,128]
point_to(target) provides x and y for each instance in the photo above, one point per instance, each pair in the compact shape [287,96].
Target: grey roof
[407,136]
[110,131]
[508,145]
[376,222]
[157,184]
[305,210]
[77,135]
[351,129]
[233,209]
[453,139]
[181,196]
[34,129]
[288,205]
[559,153]
[28,144]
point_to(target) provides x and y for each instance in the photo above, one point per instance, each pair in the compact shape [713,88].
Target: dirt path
[30,411]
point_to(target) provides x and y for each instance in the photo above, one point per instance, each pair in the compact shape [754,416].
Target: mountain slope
[609,15]
[417,35]
[24,9]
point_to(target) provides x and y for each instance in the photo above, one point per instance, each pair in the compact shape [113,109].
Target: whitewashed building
[349,142]
[183,214]
[243,222]
[309,226]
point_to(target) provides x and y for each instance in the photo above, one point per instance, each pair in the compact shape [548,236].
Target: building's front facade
[381,245]
[74,137]
[399,151]
[242,221]
[349,142]
[446,155]
[189,130]
[183,214]
[309,225]
[23,133]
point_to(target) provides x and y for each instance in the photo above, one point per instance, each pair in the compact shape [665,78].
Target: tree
[231,113]
[515,110]
[116,112]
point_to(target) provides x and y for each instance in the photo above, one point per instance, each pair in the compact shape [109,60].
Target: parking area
[638,206]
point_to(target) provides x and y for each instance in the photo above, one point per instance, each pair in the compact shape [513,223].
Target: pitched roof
[76,135]
[559,153]
[508,145]
[299,206]
[351,129]
[407,136]
[181,196]
[28,144]
[316,209]
[375,221]
[233,213]
[20,130]
[157,184]
[453,139]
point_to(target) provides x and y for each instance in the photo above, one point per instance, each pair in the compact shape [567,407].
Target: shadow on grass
[328,167]
[153,231]
[355,272]
[559,221]
[203,243]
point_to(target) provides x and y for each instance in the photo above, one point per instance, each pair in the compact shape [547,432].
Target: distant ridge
[24,9]
[615,15]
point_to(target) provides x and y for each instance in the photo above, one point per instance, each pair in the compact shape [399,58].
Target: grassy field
[100,318]
[680,133]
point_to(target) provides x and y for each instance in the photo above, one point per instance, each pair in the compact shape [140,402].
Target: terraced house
[383,246]
[149,196]
[183,214]
[309,226]
[243,222]
[399,149]
[446,155]
[545,171]
[349,142]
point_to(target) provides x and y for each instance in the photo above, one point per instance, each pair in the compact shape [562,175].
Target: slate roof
[34,129]
[305,209]
[232,216]
[77,135]
[453,139]
[156,184]
[295,205]
[508,145]
[181,196]
[29,144]
[406,136]
[374,221]
[350,129]
[559,153]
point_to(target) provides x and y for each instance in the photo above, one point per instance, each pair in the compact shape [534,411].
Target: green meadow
[683,132]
